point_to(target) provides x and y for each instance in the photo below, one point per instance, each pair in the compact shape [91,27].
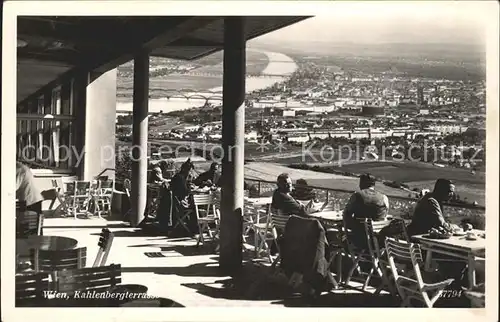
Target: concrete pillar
[233,133]
[79,107]
[140,138]
[101,124]
[66,136]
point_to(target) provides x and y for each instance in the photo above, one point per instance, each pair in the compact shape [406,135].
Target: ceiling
[52,49]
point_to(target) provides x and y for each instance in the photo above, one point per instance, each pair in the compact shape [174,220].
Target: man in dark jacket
[428,212]
[365,203]
[283,201]
[210,177]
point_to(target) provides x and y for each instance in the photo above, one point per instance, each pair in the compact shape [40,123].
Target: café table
[330,218]
[455,246]
[36,243]
[260,201]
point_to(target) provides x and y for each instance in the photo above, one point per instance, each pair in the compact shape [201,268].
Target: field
[423,175]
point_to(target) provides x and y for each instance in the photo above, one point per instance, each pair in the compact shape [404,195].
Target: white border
[485,10]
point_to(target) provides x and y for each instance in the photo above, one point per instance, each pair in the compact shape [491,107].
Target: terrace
[66,98]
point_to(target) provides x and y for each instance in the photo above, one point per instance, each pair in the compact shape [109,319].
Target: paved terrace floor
[177,270]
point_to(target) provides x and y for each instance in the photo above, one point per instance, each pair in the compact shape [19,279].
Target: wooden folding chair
[31,288]
[275,221]
[153,200]
[104,244]
[204,207]
[54,260]
[476,296]
[376,253]
[127,186]
[103,196]
[403,254]
[369,255]
[262,234]
[79,196]
[180,213]
[336,249]
[96,279]
[252,215]
[29,223]
[62,195]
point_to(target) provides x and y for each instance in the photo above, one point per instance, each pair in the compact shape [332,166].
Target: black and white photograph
[270,154]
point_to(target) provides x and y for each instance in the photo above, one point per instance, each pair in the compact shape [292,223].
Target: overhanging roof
[52,49]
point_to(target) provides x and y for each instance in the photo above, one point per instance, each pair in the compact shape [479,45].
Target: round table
[23,245]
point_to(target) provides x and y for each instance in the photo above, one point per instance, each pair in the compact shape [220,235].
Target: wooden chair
[31,288]
[376,254]
[62,195]
[336,248]
[204,207]
[78,194]
[29,223]
[153,200]
[251,215]
[476,296]
[20,205]
[275,221]
[127,186]
[262,234]
[55,260]
[408,255]
[103,196]
[97,279]
[370,254]
[104,244]
[179,214]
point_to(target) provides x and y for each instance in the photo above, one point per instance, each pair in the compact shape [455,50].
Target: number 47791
[451,293]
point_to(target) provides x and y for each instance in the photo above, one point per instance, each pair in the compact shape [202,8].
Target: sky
[389,22]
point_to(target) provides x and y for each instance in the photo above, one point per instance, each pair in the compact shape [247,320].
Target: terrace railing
[401,207]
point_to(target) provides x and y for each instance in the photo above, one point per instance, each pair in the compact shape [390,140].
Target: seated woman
[180,189]
[180,185]
[209,178]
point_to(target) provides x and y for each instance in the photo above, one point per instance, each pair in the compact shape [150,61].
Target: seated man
[26,190]
[365,203]
[209,178]
[283,201]
[428,212]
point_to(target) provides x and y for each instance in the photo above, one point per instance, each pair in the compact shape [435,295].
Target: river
[279,64]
